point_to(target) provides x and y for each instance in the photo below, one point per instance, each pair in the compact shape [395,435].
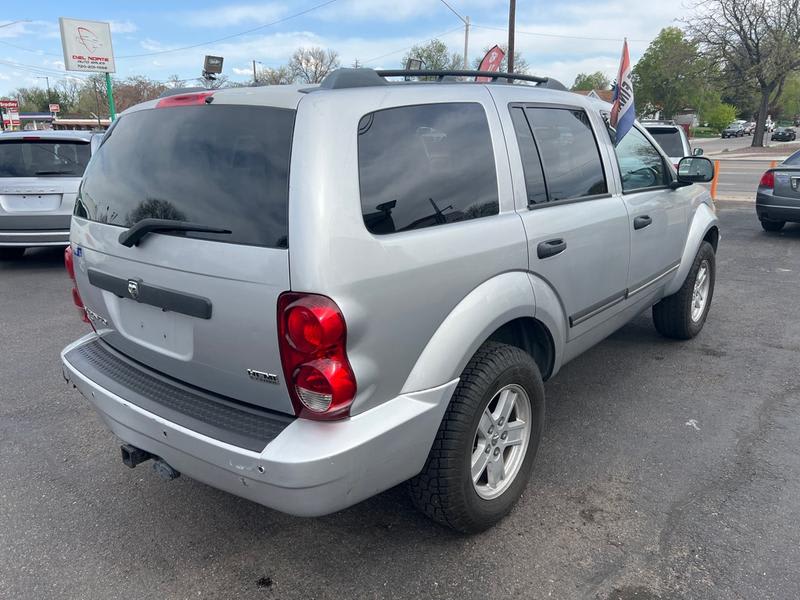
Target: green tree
[591,81]
[720,116]
[756,41]
[670,75]
[435,55]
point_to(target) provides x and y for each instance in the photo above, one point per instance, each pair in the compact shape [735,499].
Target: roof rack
[351,78]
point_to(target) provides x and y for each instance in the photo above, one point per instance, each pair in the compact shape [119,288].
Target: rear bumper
[30,229]
[28,239]
[310,468]
[777,208]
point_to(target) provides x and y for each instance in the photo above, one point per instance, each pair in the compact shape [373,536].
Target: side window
[426,165]
[640,164]
[531,165]
[569,153]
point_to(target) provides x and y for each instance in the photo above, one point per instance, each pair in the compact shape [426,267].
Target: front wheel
[682,315]
[482,456]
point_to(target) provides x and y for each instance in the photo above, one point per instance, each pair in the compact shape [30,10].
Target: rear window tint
[218,165]
[794,159]
[427,165]
[46,158]
[669,139]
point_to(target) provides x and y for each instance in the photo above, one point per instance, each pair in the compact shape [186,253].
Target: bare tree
[757,40]
[277,76]
[213,84]
[311,65]
[173,81]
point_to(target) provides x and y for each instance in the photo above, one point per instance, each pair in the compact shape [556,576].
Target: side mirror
[695,169]
[697,152]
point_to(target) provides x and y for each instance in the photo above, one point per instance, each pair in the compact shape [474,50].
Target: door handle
[551,248]
[642,222]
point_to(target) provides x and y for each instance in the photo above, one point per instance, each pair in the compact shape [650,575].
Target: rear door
[577,231]
[197,306]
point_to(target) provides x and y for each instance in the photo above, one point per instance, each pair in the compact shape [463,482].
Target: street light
[255,77]
[464,20]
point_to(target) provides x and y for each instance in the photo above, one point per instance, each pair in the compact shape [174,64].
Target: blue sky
[558,39]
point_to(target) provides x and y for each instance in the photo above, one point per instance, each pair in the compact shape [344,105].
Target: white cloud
[255,14]
[239,71]
[123,26]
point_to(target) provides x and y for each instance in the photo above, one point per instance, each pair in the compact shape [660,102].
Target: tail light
[767,180]
[312,335]
[69,264]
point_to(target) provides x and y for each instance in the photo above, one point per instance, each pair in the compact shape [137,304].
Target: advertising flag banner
[623,112]
[491,62]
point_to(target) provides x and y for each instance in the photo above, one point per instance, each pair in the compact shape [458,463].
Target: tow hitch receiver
[132,456]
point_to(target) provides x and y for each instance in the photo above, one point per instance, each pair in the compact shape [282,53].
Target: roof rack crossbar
[441,74]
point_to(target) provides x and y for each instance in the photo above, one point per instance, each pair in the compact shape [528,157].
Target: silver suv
[305,296]
[39,176]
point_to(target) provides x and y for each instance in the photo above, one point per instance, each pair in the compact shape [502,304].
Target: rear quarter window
[424,166]
[219,165]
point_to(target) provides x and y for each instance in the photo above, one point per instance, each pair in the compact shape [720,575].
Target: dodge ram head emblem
[133,288]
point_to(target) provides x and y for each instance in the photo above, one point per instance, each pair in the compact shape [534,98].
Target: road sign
[11,119]
[87,45]
[212,64]
[11,105]
[54,108]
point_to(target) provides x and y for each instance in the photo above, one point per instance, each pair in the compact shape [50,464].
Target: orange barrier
[773,164]
[715,180]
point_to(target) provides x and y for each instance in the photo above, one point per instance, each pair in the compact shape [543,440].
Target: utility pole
[512,11]
[47,81]
[464,20]
[255,77]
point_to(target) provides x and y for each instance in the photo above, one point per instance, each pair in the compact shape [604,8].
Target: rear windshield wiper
[56,173]
[131,237]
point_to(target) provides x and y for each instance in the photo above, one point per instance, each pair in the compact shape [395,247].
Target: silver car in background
[672,139]
[39,176]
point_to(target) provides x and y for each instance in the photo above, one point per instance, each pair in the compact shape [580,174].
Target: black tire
[444,489]
[11,252]
[672,316]
[772,225]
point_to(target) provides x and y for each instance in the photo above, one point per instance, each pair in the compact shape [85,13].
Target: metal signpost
[87,48]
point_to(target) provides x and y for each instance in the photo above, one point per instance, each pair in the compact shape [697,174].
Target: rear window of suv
[669,138]
[218,165]
[425,165]
[43,158]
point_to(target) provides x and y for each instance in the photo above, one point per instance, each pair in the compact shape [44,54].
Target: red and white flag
[491,62]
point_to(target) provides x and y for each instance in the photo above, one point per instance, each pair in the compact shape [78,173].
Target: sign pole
[112,109]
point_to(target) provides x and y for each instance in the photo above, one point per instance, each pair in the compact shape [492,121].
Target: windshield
[223,166]
[669,139]
[43,158]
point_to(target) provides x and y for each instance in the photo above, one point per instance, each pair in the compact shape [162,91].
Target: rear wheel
[11,252]
[482,456]
[682,315]
[772,225]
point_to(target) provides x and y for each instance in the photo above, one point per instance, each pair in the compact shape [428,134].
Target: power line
[233,35]
[438,35]
[556,35]
[37,69]
[452,10]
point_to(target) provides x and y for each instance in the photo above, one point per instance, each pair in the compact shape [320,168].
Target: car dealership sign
[87,46]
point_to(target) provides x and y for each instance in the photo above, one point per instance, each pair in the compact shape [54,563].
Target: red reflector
[767,180]
[312,339]
[68,262]
[184,99]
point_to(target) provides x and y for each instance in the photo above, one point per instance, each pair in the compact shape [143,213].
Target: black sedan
[784,134]
[778,195]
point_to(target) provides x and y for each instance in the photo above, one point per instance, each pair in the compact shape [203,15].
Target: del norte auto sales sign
[87,46]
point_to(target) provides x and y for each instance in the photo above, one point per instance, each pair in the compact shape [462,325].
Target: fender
[703,220]
[479,314]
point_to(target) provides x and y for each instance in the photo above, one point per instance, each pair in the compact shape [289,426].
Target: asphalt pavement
[667,470]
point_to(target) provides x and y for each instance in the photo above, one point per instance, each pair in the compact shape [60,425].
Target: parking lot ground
[668,470]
